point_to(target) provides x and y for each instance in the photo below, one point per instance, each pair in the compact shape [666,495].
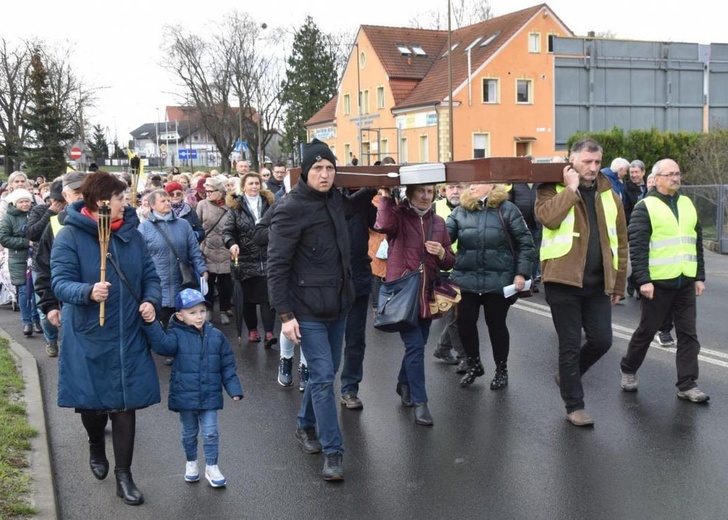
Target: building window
[424,148]
[380,97]
[347,152]
[534,42]
[490,90]
[524,91]
[362,59]
[480,146]
[551,42]
[347,104]
[384,148]
[403,155]
[364,101]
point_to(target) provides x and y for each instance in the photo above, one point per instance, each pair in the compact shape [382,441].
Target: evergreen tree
[99,146]
[310,82]
[46,151]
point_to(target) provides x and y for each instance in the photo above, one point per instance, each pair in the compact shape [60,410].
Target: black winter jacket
[633,193]
[309,263]
[361,264]
[484,262]
[640,233]
[524,197]
[239,229]
[42,268]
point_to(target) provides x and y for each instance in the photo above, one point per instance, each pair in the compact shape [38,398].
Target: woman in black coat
[494,250]
[251,268]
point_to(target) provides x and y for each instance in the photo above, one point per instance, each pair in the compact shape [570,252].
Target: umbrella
[238,303]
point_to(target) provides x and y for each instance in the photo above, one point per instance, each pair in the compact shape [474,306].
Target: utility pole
[449,81]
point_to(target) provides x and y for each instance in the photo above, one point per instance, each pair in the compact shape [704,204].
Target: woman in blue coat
[105,372]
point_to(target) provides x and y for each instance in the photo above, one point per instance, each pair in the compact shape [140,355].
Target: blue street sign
[186,153]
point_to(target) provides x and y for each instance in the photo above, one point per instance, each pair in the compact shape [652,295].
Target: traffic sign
[186,153]
[76,153]
[164,154]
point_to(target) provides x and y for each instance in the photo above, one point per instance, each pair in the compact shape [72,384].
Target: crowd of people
[313,257]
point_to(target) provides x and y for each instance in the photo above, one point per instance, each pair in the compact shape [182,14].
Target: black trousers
[222,286]
[680,303]
[123,428]
[250,315]
[495,308]
[574,309]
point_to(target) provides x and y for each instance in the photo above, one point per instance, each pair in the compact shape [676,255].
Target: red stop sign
[75,153]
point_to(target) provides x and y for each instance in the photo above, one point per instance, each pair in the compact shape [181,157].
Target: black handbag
[189,277]
[398,306]
[398,303]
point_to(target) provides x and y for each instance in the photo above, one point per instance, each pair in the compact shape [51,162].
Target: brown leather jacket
[552,208]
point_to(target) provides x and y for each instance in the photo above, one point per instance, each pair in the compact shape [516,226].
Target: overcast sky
[108,38]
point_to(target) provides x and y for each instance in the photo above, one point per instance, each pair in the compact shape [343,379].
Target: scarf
[256,206]
[177,207]
[420,212]
[115,224]
[166,217]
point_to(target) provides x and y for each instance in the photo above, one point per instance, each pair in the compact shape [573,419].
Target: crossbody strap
[508,234]
[166,237]
[123,277]
[224,212]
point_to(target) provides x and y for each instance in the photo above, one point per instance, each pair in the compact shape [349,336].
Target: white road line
[626,334]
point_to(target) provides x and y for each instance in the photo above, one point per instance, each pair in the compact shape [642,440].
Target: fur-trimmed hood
[497,196]
[234,200]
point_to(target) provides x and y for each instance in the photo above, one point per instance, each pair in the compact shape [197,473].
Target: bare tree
[464,13]
[231,80]
[341,42]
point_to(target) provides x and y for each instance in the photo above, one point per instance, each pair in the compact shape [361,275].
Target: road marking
[626,334]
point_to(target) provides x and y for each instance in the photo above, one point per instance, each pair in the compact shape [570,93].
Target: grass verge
[15,435]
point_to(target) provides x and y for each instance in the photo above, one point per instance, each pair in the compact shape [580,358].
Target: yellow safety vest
[443,210]
[673,243]
[557,242]
[55,225]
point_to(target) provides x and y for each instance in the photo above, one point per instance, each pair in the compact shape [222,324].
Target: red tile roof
[434,86]
[397,65]
[326,114]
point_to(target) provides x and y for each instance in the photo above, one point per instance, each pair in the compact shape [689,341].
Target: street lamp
[449,81]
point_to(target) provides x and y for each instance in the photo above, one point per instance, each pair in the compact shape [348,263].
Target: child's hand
[146,309]
[237,398]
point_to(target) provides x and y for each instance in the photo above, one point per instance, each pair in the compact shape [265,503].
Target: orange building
[503,99]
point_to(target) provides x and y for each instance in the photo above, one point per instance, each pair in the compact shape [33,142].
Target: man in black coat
[311,289]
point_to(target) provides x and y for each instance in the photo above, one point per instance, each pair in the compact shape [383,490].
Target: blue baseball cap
[188,298]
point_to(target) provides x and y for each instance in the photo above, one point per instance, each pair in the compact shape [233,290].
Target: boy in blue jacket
[203,364]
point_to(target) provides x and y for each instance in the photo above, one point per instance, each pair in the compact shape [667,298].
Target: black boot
[422,414]
[463,365]
[126,488]
[403,390]
[501,376]
[97,459]
[476,370]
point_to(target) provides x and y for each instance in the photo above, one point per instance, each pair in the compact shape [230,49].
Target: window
[480,146]
[347,152]
[384,148]
[419,51]
[475,42]
[534,42]
[347,104]
[490,90]
[403,155]
[364,101]
[489,39]
[362,60]
[424,148]
[403,49]
[524,91]
[380,97]
[551,42]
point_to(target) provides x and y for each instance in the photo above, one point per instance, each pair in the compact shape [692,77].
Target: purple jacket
[406,234]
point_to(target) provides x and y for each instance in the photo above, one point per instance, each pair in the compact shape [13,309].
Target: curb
[43,492]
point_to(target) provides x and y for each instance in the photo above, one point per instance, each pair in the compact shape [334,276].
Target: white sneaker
[628,382]
[224,318]
[192,474]
[694,395]
[214,477]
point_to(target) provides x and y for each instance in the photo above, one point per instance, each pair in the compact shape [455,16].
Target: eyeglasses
[176,194]
[671,174]
[210,191]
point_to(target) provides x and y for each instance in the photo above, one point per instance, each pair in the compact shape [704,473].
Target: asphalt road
[505,455]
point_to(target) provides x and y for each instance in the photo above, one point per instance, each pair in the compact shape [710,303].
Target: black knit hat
[313,152]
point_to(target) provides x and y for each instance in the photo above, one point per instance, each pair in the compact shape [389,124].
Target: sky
[115,49]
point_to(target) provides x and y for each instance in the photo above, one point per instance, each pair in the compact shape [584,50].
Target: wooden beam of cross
[491,169]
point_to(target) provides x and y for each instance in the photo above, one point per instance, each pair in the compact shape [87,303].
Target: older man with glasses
[666,247]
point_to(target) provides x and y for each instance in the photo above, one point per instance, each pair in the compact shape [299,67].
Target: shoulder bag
[398,307]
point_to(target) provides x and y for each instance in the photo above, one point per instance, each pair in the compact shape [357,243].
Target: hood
[76,219]
[235,201]
[497,196]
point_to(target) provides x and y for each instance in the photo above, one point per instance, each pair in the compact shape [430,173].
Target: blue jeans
[26,302]
[321,343]
[50,331]
[192,422]
[356,326]
[412,372]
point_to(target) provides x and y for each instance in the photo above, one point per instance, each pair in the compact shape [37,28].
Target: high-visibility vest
[673,243]
[55,225]
[558,242]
